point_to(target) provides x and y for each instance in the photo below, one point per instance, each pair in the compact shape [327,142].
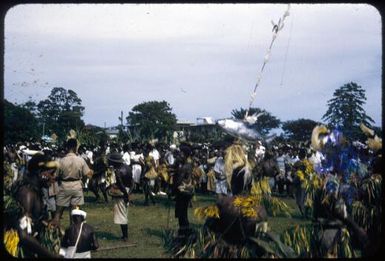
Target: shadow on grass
[107,235]
[89,198]
[154,232]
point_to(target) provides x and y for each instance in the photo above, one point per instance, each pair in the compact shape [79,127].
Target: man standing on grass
[183,188]
[70,172]
[120,191]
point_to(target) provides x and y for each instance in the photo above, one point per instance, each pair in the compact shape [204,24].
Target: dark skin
[123,175]
[87,241]
[99,168]
[183,174]
[31,201]
[32,246]
[32,204]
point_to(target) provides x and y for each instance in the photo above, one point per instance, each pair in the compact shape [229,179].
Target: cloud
[116,56]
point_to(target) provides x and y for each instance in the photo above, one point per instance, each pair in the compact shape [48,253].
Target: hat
[79,213]
[115,157]
[173,146]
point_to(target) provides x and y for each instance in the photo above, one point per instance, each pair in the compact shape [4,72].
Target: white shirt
[219,166]
[260,152]
[136,157]
[281,163]
[90,155]
[316,158]
[170,158]
[127,158]
[155,155]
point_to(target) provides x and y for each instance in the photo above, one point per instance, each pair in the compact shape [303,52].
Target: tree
[265,122]
[19,124]
[299,130]
[153,119]
[61,111]
[31,106]
[91,135]
[345,110]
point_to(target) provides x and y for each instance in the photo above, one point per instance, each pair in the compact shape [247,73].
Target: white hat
[79,212]
[173,146]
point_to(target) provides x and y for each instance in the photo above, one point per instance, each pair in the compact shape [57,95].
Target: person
[137,164]
[154,153]
[221,185]
[203,178]
[126,154]
[299,191]
[71,170]
[163,178]
[23,213]
[49,193]
[280,178]
[259,151]
[211,181]
[120,191]
[235,160]
[183,188]
[270,168]
[79,235]
[149,180]
[169,155]
[316,159]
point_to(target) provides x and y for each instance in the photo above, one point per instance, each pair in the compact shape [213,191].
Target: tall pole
[121,118]
[43,128]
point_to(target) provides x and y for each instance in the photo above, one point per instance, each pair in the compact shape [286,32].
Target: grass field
[145,224]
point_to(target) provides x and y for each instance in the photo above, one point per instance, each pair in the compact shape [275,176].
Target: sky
[203,59]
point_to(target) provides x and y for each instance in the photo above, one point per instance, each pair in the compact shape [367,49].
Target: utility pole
[43,128]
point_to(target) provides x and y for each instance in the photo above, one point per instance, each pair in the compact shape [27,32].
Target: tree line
[62,110]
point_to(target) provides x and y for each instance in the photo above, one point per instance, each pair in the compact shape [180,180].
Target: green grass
[146,223]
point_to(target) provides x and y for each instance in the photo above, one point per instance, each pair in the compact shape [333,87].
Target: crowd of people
[60,175]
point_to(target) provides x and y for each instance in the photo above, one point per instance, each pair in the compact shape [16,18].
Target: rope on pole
[276,28]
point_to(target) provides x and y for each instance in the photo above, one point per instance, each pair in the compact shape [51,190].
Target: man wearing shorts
[70,171]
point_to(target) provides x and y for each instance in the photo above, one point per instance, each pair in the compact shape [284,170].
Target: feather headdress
[235,157]
[374,142]
[366,130]
[316,141]
[71,134]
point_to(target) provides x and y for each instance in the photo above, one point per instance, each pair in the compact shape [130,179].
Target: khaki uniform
[71,170]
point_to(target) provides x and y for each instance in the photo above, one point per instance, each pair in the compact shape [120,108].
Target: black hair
[33,163]
[77,218]
[302,154]
[71,144]
[186,149]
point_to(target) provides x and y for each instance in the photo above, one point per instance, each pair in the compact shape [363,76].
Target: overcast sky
[201,58]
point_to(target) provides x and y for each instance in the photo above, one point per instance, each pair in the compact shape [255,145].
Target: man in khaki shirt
[70,171]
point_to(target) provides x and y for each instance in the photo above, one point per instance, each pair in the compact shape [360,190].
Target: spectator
[70,172]
[79,239]
[120,191]
[183,189]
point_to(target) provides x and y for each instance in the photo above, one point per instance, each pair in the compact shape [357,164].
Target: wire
[287,50]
